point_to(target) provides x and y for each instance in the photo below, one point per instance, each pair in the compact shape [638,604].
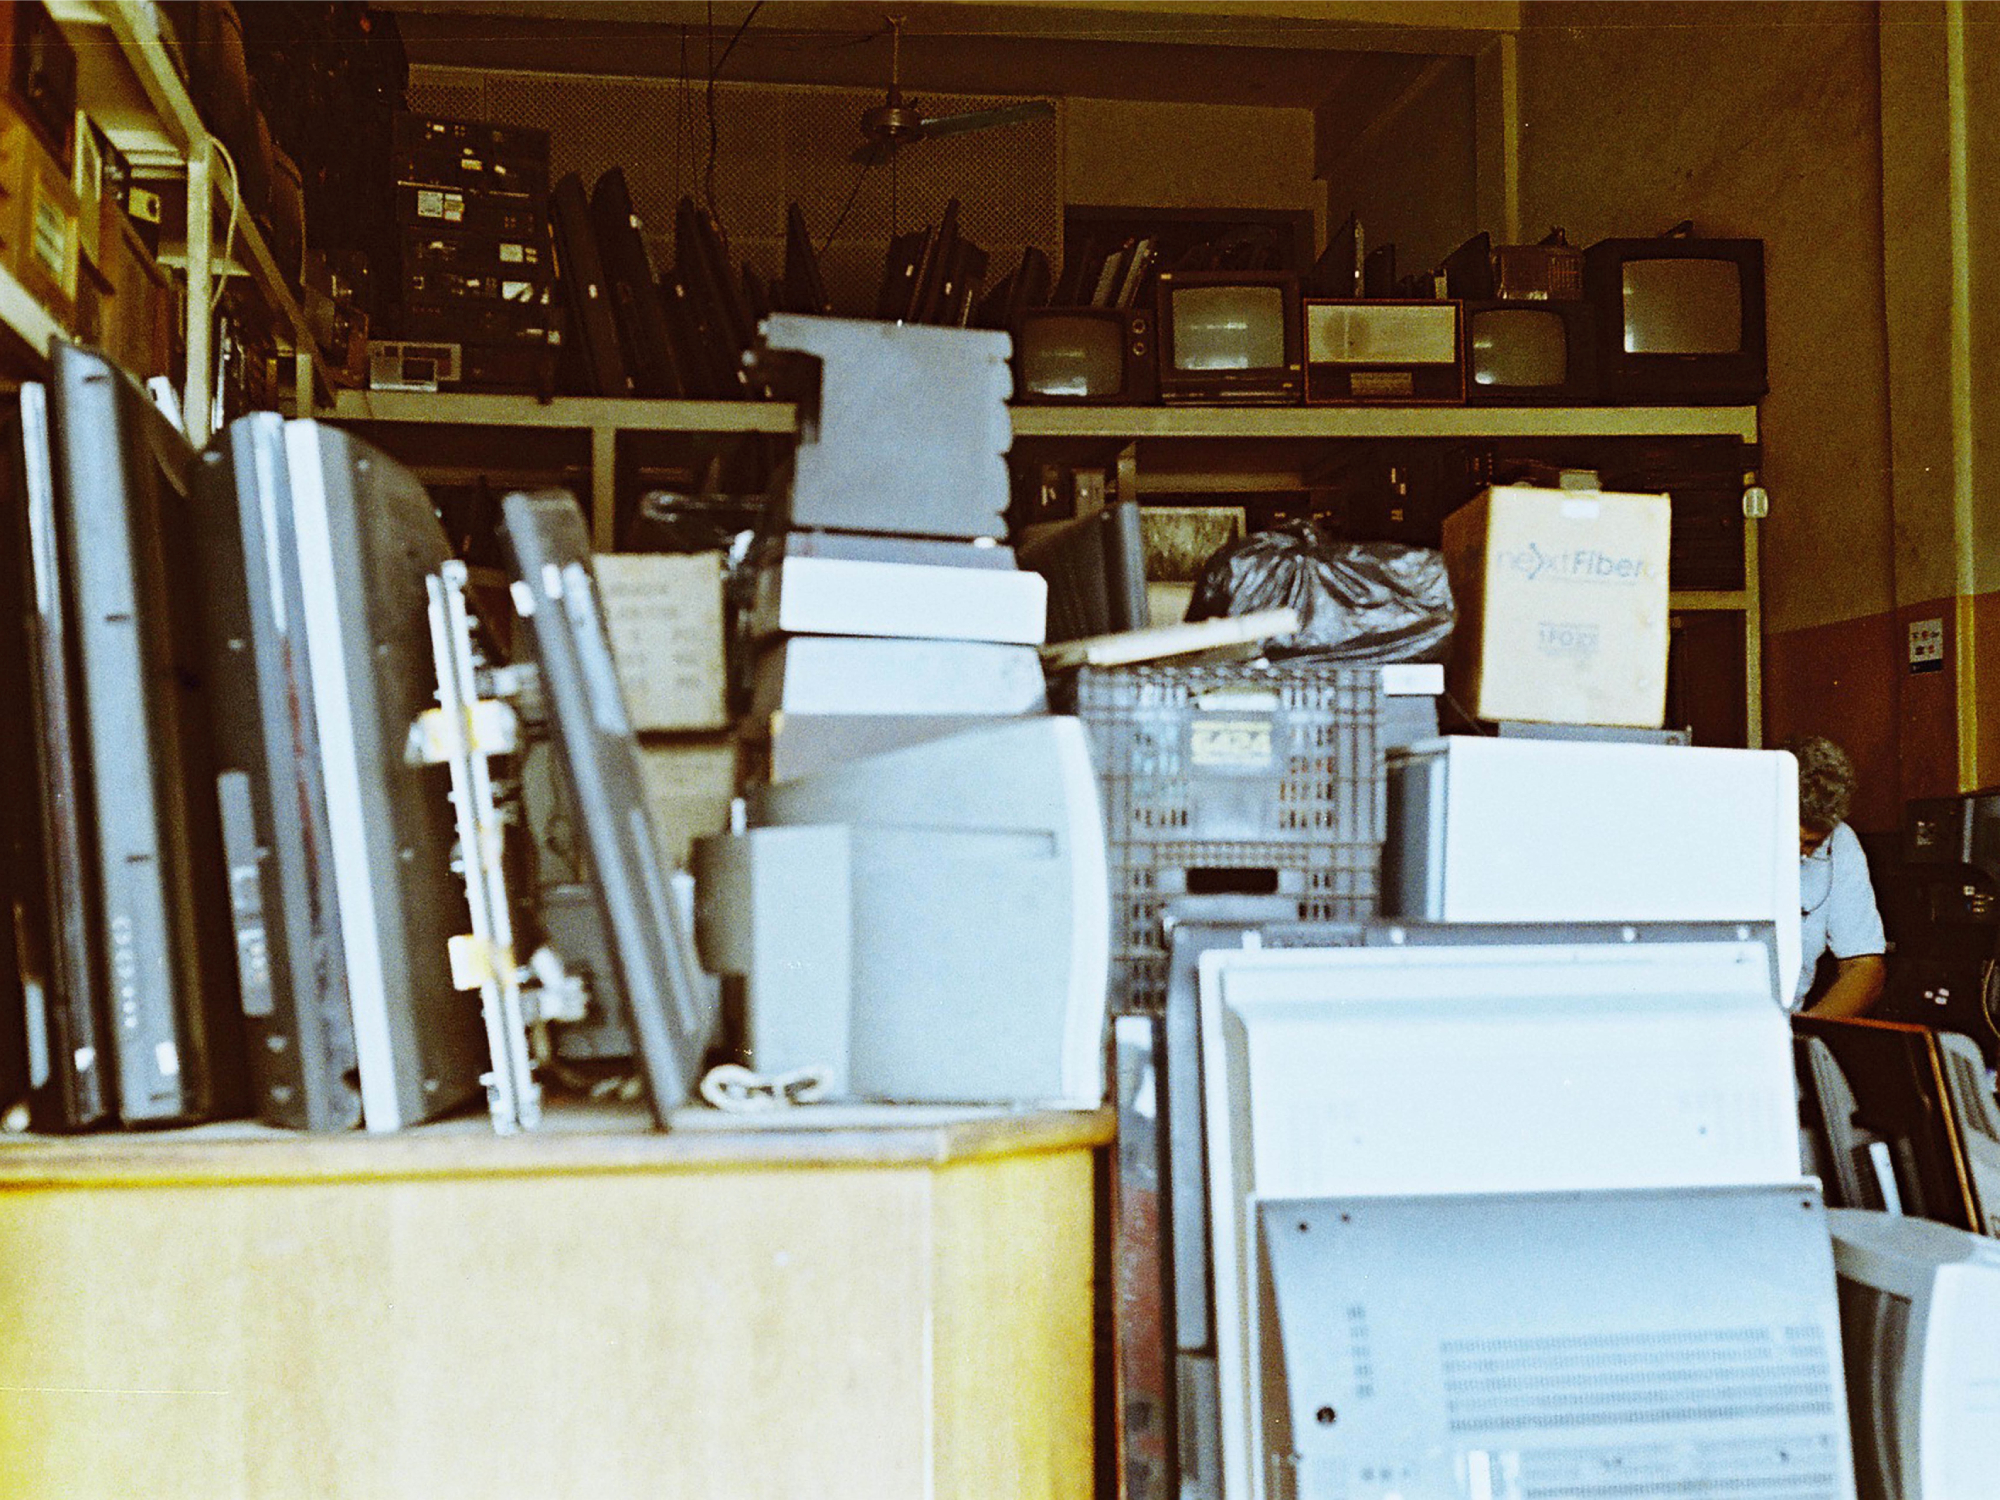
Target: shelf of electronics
[1255,422]
[126,83]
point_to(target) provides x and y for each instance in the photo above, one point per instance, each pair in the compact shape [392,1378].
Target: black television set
[1095,565]
[368,542]
[276,834]
[1230,338]
[122,474]
[1680,319]
[647,340]
[650,949]
[1086,356]
[1530,354]
[1903,1100]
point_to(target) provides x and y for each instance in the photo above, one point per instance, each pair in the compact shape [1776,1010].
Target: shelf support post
[603,487]
[200,292]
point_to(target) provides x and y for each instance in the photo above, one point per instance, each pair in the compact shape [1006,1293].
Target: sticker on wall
[1926,645]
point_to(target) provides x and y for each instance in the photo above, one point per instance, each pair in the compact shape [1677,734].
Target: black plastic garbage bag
[1357,601]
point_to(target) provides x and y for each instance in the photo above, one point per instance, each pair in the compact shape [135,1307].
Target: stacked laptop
[888,612]
[1484,1205]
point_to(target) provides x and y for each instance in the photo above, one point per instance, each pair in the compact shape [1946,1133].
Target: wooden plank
[581,413]
[584,1141]
[883,1332]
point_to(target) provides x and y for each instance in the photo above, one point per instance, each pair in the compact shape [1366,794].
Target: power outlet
[1927,645]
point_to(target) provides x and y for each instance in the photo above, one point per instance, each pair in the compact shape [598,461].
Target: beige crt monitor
[1658,1061]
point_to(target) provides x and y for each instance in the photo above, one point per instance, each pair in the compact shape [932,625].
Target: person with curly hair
[1837,912]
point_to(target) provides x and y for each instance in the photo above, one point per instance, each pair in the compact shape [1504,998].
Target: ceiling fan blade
[986,119]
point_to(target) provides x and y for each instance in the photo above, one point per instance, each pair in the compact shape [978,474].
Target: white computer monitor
[1920,1331]
[1612,1062]
[977,941]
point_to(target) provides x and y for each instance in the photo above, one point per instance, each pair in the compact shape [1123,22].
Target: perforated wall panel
[776,144]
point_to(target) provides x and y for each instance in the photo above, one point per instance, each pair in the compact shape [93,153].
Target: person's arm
[1856,985]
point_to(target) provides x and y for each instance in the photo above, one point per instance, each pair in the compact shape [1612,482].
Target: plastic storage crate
[1263,778]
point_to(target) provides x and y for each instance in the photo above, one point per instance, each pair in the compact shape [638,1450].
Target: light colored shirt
[1837,912]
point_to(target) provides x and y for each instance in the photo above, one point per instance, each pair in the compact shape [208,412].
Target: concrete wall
[1124,151]
[1411,181]
[1759,119]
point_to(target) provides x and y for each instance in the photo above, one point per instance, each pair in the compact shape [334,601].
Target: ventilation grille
[1623,1380]
[776,144]
[1805,1467]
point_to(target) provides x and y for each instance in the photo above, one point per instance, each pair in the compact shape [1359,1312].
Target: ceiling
[1356,58]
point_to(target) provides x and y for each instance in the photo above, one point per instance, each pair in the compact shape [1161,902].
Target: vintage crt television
[1364,352]
[1230,338]
[1086,356]
[1920,1334]
[1530,354]
[1096,568]
[1680,320]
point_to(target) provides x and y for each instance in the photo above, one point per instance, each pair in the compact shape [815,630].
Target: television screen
[1076,356]
[1229,327]
[1681,305]
[1518,347]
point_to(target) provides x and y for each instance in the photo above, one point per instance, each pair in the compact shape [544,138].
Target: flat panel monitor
[714,296]
[122,474]
[1615,1343]
[648,343]
[804,290]
[1530,354]
[276,833]
[54,918]
[1920,1333]
[1680,319]
[1230,338]
[1902,1099]
[368,540]
[1096,569]
[1468,270]
[651,951]
[593,359]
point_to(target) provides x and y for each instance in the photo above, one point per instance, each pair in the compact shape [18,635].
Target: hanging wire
[853,193]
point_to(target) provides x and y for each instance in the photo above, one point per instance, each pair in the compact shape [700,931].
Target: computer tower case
[277,839]
[367,542]
[122,473]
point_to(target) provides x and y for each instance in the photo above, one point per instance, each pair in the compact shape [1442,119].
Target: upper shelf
[1274,422]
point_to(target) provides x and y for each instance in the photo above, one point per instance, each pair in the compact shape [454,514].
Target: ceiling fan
[896,122]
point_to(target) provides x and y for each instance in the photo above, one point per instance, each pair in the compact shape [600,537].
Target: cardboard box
[39,238]
[1562,606]
[690,782]
[664,615]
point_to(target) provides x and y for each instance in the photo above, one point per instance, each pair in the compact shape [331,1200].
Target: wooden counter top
[574,1138]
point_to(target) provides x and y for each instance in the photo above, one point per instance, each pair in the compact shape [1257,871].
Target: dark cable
[714,70]
[853,193]
[723,61]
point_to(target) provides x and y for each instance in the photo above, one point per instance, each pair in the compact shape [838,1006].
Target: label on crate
[52,237]
[513,255]
[1230,742]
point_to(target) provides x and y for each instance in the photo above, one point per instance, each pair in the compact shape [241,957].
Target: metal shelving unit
[126,82]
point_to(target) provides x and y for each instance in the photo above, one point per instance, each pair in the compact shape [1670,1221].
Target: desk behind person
[1837,912]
